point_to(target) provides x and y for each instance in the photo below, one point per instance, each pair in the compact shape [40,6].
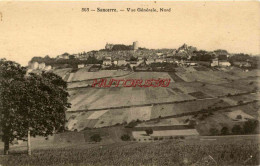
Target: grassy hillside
[220,151]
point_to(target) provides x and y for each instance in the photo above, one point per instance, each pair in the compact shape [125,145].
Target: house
[139,62]
[159,60]
[41,66]
[224,63]
[242,64]
[214,62]
[133,63]
[81,66]
[150,60]
[121,62]
[109,46]
[115,62]
[107,62]
[34,65]
[63,56]
[192,64]
[169,60]
[166,134]
[76,55]
[48,67]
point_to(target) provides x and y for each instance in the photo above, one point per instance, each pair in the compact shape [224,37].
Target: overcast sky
[51,28]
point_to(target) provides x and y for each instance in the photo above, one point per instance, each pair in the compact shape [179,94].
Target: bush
[192,123]
[239,117]
[117,124]
[132,124]
[213,131]
[125,137]
[96,138]
[224,131]
[149,131]
[237,129]
[182,137]
[250,126]
[240,102]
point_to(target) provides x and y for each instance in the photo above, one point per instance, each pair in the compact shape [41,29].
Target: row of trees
[249,127]
[30,104]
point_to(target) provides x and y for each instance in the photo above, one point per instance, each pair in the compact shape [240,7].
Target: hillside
[191,90]
[200,92]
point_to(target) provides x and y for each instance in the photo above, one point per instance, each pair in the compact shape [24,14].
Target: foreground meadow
[171,152]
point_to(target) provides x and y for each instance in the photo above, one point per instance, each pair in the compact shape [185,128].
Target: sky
[29,29]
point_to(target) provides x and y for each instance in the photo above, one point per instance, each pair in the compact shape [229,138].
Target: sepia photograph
[140,83]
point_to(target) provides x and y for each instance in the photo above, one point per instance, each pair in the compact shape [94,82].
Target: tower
[135,45]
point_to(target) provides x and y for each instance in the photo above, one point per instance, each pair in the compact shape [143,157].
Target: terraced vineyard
[188,92]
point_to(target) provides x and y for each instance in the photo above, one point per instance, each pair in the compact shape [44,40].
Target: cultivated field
[219,151]
[191,90]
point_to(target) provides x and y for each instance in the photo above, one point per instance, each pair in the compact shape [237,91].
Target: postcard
[129,83]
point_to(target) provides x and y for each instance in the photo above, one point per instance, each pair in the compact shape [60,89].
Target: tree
[11,74]
[71,57]
[250,126]
[239,117]
[30,104]
[125,137]
[149,131]
[132,124]
[237,129]
[222,57]
[213,131]
[132,58]
[96,138]
[224,131]
[202,56]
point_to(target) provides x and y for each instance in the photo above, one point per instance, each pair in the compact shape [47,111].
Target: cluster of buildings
[242,64]
[120,61]
[108,61]
[221,63]
[39,66]
[119,57]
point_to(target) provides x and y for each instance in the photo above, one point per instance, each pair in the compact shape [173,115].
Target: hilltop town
[133,57]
